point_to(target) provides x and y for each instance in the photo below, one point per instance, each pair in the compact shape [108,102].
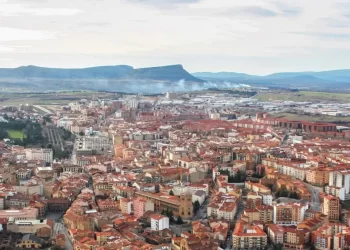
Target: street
[315,197]
[59,228]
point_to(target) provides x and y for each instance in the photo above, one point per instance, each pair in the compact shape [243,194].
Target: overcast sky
[250,36]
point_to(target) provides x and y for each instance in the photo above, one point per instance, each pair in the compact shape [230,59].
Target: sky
[250,36]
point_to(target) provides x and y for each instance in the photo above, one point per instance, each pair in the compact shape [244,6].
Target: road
[59,228]
[202,212]
[315,197]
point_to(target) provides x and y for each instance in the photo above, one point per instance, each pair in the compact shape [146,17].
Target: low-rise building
[248,236]
[159,222]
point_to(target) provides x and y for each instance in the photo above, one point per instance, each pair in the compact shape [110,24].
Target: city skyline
[256,37]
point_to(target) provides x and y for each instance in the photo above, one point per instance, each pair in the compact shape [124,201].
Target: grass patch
[16,134]
[305,96]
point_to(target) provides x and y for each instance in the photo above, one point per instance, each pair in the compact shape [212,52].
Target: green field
[305,96]
[15,134]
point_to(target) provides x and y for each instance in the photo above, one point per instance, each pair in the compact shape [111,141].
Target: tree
[278,246]
[293,195]
[81,133]
[3,134]
[282,192]
[312,247]
[170,214]
[179,220]
[196,206]
[47,118]
[171,193]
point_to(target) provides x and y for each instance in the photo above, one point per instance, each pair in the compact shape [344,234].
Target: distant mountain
[316,80]
[221,75]
[112,78]
[169,73]
[103,72]
[165,73]
[342,75]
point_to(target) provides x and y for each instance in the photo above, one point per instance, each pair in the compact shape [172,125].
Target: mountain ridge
[307,79]
[166,73]
[121,78]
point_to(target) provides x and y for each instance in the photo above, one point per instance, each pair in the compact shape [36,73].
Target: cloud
[163,3]
[324,35]
[258,11]
[14,9]
[10,34]
[287,10]
[6,49]
[335,22]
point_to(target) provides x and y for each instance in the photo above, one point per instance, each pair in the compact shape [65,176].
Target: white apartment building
[339,184]
[98,143]
[159,222]
[266,199]
[42,154]
[65,123]
[198,196]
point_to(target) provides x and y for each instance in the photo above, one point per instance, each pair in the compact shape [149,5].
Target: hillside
[165,73]
[121,78]
[103,72]
[334,79]
[169,73]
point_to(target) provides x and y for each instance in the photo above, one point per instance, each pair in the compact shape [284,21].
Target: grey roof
[200,193]
[33,238]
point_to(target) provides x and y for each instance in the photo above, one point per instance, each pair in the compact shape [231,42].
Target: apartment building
[222,206]
[42,154]
[318,176]
[159,222]
[23,174]
[291,237]
[141,206]
[73,169]
[339,184]
[248,236]
[265,213]
[97,143]
[289,213]
[257,187]
[275,233]
[250,215]
[331,207]
[126,205]
[330,236]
